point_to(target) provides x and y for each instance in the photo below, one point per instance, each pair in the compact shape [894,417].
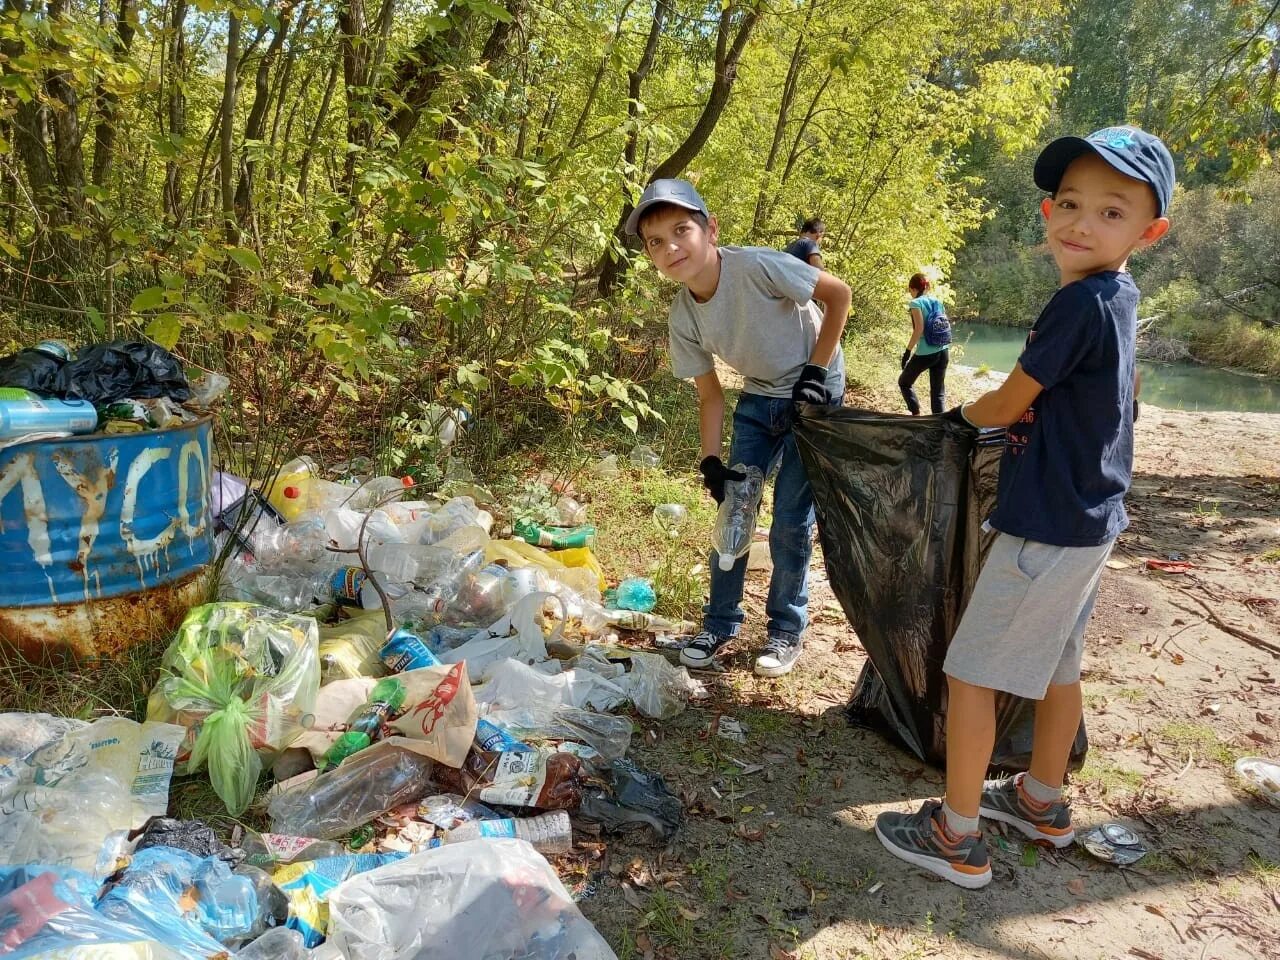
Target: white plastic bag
[512,685]
[518,635]
[481,899]
[657,689]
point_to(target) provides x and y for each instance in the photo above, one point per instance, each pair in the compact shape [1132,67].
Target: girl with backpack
[928,349]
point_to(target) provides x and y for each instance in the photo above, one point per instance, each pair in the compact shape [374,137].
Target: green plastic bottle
[553,538]
[365,725]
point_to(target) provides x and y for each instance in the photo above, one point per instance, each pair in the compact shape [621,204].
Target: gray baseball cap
[677,192]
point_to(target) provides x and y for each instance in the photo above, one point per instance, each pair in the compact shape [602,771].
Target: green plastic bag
[243,679]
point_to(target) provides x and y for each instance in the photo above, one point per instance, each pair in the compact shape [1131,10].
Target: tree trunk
[255,124]
[729,50]
[304,166]
[581,124]
[177,107]
[104,134]
[789,87]
[226,160]
[421,71]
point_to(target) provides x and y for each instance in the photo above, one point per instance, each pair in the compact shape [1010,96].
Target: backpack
[937,327]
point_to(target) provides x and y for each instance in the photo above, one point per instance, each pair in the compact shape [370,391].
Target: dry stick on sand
[1221,624]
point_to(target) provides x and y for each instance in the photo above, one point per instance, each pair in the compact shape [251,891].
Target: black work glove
[812,386]
[1135,409]
[906,355]
[956,416]
[714,474]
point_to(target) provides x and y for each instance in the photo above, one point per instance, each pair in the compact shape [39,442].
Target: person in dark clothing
[921,355]
[806,246]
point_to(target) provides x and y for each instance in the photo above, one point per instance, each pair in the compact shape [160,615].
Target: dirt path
[781,862]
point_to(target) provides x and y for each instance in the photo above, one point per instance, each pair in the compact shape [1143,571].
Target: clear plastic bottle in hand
[736,521]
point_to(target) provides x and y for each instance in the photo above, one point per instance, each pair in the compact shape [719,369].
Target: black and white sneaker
[703,649]
[778,656]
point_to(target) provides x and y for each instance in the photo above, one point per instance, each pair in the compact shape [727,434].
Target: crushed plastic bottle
[300,542]
[550,834]
[736,522]
[636,593]
[645,457]
[669,518]
[553,538]
[414,562]
[571,512]
[606,467]
[407,651]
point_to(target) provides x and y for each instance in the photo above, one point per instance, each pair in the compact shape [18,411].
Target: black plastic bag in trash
[901,502]
[194,836]
[32,369]
[123,370]
[630,801]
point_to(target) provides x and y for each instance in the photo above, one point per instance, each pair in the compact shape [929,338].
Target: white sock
[956,823]
[1038,791]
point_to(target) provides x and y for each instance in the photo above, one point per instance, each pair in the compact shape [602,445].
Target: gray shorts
[1024,627]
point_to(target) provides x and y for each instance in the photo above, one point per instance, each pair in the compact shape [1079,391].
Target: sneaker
[778,656]
[703,648]
[922,839]
[1006,801]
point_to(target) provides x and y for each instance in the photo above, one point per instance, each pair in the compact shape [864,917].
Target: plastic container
[22,413]
[550,834]
[539,536]
[670,517]
[365,725]
[736,522]
[571,512]
[645,457]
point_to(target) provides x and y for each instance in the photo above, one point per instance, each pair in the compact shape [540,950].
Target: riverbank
[779,860]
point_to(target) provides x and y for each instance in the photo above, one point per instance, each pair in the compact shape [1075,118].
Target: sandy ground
[781,862]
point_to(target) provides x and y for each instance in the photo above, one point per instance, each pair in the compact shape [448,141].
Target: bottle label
[518,780]
[497,828]
[406,651]
[494,739]
[347,584]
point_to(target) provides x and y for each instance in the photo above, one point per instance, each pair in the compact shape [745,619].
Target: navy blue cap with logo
[1131,151]
[679,193]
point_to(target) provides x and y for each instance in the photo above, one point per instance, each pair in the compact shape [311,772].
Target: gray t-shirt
[761,321]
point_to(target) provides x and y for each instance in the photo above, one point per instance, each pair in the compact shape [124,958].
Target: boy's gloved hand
[956,415]
[812,386]
[1135,409]
[906,355]
[714,474]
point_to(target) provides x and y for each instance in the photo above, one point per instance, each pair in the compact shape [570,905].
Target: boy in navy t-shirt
[1068,406]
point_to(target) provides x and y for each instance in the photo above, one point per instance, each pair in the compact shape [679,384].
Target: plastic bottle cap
[292,493]
[406,481]
[727,560]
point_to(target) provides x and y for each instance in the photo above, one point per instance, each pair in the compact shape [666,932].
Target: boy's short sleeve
[689,358]
[1062,337]
[786,276]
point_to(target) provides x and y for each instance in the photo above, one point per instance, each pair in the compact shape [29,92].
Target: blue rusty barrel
[104,539]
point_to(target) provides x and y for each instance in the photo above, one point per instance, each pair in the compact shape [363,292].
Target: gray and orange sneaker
[922,839]
[1006,800]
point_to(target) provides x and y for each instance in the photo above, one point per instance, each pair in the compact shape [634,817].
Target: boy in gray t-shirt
[754,309]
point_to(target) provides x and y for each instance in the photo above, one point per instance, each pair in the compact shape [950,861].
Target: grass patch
[983,370]
[1271,556]
[107,687]
[1110,777]
[1202,740]
[1266,872]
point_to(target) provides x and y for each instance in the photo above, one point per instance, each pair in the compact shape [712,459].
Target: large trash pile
[439,710]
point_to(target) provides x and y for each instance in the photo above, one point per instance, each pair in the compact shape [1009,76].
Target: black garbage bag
[900,503]
[123,370]
[194,836]
[32,369]
[631,801]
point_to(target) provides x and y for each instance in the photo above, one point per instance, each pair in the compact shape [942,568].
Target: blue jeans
[761,436]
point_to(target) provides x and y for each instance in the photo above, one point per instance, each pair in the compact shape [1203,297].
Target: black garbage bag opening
[901,502]
[123,370]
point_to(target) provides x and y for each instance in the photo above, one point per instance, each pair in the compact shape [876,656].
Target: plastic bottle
[303,541]
[406,651]
[670,517]
[366,786]
[413,562]
[550,834]
[736,522]
[267,850]
[365,725]
[571,512]
[376,492]
[285,490]
[643,456]
[457,513]
[539,536]
[636,593]
[496,738]
[23,413]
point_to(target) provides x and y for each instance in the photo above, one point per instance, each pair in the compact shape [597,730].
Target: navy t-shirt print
[1068,462]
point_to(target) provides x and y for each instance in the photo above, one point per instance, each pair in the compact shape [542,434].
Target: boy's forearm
[1006,405]
[711,423]
[837,297]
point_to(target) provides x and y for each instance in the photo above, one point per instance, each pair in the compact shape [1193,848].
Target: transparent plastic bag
[657,689]
[489,899]
[280,943]
[307,884]
[335,803]
[243,679]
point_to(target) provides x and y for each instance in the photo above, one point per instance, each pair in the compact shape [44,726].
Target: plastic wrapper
[47,913]
[125,369]
[307,884]
[513,685]
[349,649]
[658,689]
[282,943]
[608,735]
[483,900]
[192,903]
[631,801]
[194,836]
[542,779]
[901,502]
[71,791]
[366,786]
[438,718]
[243,679]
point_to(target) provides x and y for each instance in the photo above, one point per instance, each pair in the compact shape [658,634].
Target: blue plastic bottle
[22,413]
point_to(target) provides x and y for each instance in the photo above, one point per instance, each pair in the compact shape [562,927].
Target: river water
[1180,386]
